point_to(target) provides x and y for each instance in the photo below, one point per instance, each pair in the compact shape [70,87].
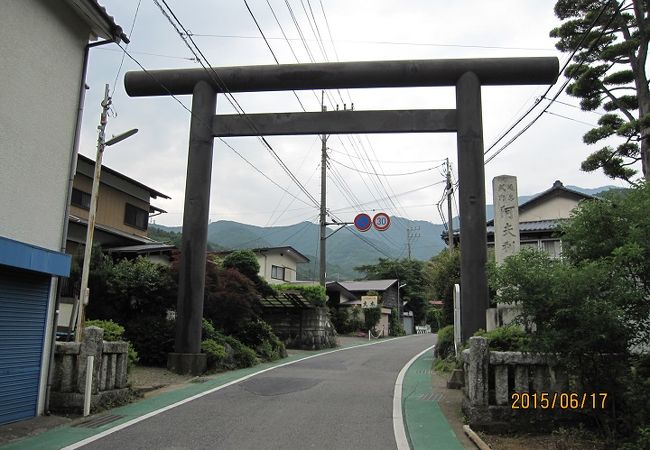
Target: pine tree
[609,72]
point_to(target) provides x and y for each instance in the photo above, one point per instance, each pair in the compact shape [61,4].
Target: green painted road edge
[426,426]
[69,434]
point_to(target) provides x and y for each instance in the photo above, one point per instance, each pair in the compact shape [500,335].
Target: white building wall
[41,45]
[267,260]
[41,70]
[554,208]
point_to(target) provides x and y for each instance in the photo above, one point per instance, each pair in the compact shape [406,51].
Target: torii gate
[468,75]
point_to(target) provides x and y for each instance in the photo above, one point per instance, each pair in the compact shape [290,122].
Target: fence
[109,380]
[491,379]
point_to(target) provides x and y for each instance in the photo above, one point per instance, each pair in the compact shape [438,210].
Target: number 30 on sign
[381,221]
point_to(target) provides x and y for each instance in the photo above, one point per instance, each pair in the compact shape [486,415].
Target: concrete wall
[308,328]
[111,205]
[558,207]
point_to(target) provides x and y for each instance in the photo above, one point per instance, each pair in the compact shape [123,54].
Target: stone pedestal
[187,363]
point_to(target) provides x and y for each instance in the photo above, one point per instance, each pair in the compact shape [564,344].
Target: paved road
[341,400]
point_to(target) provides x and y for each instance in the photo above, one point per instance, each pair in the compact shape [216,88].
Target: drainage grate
[199,380]
[431,397]
[97,422]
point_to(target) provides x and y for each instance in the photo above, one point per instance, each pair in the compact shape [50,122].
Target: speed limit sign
[381,221]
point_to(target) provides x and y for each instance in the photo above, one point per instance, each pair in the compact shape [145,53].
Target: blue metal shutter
[23,311]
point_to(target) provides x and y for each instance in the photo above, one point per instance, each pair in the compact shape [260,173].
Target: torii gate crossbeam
[467,75]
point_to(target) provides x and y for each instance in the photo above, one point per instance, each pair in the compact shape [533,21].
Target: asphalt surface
[341,400]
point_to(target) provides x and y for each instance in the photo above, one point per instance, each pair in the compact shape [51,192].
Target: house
[539,218]
[347,294]
[278,265]
[123,211]
[44,45]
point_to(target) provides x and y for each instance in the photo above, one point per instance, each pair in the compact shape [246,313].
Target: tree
[443,271]
[610,41]
[245,262]
[409,271]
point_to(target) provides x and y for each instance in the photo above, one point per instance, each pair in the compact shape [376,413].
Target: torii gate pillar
[187,357]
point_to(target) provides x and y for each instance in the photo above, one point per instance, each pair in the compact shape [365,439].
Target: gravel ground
[155,377]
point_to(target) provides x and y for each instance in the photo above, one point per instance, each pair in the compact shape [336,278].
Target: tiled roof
[537,225]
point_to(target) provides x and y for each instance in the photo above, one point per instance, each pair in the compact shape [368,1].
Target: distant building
[539,218]
[278,265]
[44,51]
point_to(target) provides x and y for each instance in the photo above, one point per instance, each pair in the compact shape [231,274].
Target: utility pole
[323,201]
[450,227]
[410,237]
[90,230]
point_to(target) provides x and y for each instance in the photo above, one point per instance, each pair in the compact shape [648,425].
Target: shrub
[395,326]
[313,294]
[259,335]
[509,338]
[340,320]
[112,331]
[241,355]
[434,318]
[445,343]
[356,324]
[245,262]
[443,271]
[372,316]
[216,353]
[153,338]
[115,332]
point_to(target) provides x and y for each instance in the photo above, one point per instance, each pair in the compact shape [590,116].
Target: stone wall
[109,385]
[308,328]
[491,379]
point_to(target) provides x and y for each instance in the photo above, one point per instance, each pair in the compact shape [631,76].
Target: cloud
[157,156]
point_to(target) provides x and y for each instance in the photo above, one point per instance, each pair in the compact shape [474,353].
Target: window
[277,272]
[80,199]
[552,248]
[529,244]
[136,217]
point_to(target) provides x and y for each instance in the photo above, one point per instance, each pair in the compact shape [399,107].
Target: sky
[408,165]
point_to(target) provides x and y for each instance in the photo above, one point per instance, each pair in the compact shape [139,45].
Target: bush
[216,353]
[434,318]
[395,326]
[153,338]
[115,332]
[445,344]
[355,324]
[372,316]
[510,338]
[340,320]
[443,271]
[238,354]
[259,336]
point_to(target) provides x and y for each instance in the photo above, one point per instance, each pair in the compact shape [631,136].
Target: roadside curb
[476,439]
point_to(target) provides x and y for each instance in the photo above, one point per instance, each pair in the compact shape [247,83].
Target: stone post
[479,360]
[506,238]
[92,343]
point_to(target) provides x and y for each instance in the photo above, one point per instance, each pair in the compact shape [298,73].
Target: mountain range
[347,248]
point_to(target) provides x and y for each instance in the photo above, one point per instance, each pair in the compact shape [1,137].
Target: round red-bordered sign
[362,222]
[381,221]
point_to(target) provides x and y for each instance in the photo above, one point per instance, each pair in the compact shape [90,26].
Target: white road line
[210,391]
[398,419]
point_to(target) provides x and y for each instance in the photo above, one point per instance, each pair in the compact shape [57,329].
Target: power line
[119,69]
[355,41]
[185,37]
[428,169]
[557,94]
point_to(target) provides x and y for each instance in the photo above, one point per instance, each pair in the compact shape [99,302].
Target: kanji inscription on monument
[506,217]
